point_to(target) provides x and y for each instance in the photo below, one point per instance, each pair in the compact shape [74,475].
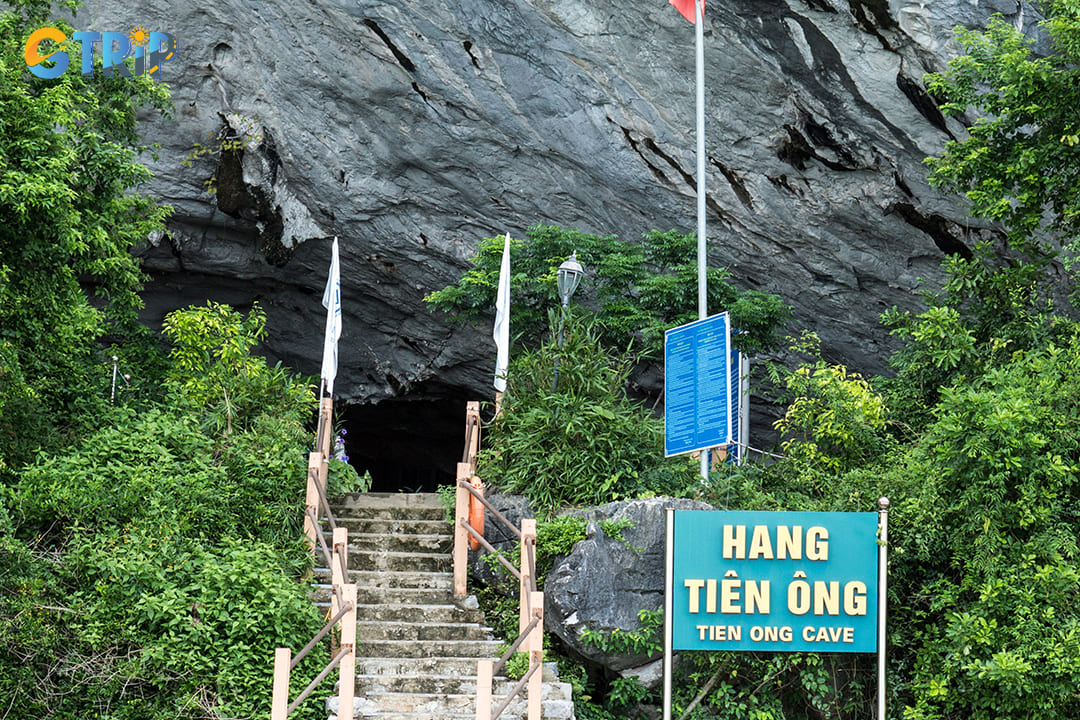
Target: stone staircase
[417,647]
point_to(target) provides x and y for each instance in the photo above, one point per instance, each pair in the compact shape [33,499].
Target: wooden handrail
[494,511]
[343,602]
[514,692]
[346,607]
[513,648]
[491,549]
[318,679]
[531,602]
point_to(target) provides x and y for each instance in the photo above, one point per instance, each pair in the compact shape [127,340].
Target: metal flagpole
[703,310]
[744,407]
[669,567]
[883,574]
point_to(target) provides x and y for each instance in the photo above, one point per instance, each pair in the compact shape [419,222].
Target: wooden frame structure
[530,602]
[343,598]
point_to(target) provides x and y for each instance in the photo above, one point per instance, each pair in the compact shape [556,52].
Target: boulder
[606,581]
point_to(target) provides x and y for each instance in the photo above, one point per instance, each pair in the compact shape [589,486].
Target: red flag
[686,8]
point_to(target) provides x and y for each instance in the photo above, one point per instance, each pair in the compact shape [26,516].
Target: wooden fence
[343,593]
[530,602]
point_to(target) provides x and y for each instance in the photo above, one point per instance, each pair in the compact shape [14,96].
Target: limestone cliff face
[411,129]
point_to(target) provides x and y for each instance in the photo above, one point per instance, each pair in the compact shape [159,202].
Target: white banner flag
[502,319]
[331,300]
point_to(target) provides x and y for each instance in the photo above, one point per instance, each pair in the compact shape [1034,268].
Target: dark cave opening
[407,445]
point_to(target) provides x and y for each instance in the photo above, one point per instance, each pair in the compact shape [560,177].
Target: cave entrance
[407,445]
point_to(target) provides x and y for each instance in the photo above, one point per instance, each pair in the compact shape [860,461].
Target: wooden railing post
[528,545]
[339,562]
[326,429]
[484,678]
[472,432]
[311,498]
[535,647]
[461,536]
[279,704]
[347,679]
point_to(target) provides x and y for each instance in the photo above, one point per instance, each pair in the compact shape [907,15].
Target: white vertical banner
[331,300]
[502,319]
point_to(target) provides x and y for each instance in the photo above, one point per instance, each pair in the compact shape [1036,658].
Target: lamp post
[569,276]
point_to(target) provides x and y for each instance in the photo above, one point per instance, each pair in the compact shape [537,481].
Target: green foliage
[212,368]
[774,686]
[68,166]
[614,530]
[342,479]
[1020,164]
[162,557]
[555,538]
[835,420]
[220,144]
[588,441]
[994,552]
[639,289]
[646,640]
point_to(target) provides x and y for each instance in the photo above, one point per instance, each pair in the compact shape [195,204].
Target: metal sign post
[883,575]
[668,595]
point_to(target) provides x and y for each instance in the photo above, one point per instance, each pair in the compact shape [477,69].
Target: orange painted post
[528,545]
[347,680]
[535,646]
[279,705]
[311,498]
[461,536]
[485,671]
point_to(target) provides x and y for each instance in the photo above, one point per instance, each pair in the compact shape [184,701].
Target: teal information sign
[774,581]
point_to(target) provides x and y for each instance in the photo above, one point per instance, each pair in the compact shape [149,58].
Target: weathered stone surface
[605,582]
[413,129]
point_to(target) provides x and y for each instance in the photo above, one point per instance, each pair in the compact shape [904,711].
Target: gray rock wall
[413,129]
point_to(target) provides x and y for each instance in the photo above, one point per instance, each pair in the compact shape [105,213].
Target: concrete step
[362,526]
[388,561]
[417,645]
[389,506]
[372,685]
[556,699]
[392,595]
[427,614]
[374,501]
[403,580]
[383,666]
[396,648]
[405,542]
[426,632]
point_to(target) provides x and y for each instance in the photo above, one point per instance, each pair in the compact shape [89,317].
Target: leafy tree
[68,150]
[584,443]
[1020,164]
[147,571]
[638,289]
[212,368]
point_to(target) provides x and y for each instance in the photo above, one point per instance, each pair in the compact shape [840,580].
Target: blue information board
[698,402]
[774,581]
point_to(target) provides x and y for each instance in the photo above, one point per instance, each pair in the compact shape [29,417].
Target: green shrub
[585,443]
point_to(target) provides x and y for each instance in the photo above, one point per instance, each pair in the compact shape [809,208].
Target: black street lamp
[569,276]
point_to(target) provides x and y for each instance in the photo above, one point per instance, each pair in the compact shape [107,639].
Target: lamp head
[570,274]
